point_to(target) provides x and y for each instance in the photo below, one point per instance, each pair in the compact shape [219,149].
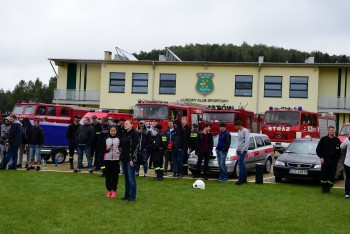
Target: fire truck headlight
[279,163]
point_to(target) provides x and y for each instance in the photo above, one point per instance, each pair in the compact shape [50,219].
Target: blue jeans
[241,165]
[222,165]
[35,150]
[129,179]
[347,180]
[12,153]
[81,149]
[179,154]
[145,165]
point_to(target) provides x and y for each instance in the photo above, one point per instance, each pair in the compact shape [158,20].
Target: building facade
[115,84]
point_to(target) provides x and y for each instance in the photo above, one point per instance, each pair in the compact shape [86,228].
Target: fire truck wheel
[268,165]
[60,154]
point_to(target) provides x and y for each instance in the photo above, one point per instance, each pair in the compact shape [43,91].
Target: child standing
[111,156]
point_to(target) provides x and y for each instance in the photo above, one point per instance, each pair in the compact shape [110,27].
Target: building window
[117,82]
[298,87]
[139,83]
[273,86]
[243,86]
[167,84]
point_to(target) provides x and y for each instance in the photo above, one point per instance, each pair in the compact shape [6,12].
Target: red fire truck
[162,112]
[216,114]
[283,125]
[53,113]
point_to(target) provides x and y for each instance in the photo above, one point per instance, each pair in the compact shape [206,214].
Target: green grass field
[49,202]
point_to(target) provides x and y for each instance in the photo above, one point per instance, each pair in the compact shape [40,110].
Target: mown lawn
[49,202]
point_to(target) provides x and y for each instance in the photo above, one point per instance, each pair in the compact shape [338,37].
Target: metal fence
[76,95]
[333,102]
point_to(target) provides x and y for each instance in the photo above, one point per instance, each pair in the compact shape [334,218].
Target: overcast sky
[34,30]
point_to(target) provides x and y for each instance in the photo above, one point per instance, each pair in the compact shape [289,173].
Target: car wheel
[60,154]
[236,171]
[268,165]
[278,179]
[192,171]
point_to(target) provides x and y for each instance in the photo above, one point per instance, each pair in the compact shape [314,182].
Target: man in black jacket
[179,146]
[95,148]
[14,141]
[204,150]
[328,149]
[70,135]
[35,140]
[84,138]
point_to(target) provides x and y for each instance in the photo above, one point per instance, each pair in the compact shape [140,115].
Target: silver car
[260,151]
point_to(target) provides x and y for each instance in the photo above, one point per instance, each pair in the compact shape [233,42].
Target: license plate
[298,172]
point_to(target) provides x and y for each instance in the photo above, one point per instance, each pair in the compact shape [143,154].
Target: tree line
[242,53]
[27,91]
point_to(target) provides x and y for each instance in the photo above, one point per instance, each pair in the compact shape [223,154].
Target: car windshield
[234,141]
[303,147]
[149,112]
[344,130]
[287,118]
[218,117]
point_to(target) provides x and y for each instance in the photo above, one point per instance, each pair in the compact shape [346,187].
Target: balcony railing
[76,96]
[333,103]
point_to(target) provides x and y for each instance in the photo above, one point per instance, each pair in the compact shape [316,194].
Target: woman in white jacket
[111,156]
[346,145]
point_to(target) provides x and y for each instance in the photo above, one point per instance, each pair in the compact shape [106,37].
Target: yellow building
[116,84]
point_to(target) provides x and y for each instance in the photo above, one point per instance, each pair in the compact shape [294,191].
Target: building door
[71,76]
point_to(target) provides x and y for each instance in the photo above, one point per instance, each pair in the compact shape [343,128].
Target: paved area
[268,178]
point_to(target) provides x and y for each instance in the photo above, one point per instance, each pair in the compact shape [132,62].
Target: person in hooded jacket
[128,145]
[5,129]
[144,147]
[13,142]
[179,146]
[26,128]
[111,155]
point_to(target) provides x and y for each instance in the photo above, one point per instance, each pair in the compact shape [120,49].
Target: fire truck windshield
[18,110]
[218,117]
[344,130]
[277,118]
[149,111]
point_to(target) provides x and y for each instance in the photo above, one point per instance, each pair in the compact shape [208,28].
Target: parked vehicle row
[260,151]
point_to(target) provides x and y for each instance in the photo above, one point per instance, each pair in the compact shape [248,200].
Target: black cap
[158,126]
[94,117]
[222,124]
[76,116]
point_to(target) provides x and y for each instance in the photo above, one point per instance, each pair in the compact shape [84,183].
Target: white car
[260,151]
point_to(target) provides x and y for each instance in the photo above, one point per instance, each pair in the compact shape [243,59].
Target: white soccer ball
[199,184]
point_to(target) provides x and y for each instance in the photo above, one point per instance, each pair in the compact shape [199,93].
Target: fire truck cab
[48,112]
[162,112]
[216,114]
[283,125]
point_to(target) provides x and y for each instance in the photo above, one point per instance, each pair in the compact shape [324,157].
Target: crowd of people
[109,145]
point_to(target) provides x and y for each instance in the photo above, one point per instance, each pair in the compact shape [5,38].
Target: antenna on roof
[171,56]
[123,55]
